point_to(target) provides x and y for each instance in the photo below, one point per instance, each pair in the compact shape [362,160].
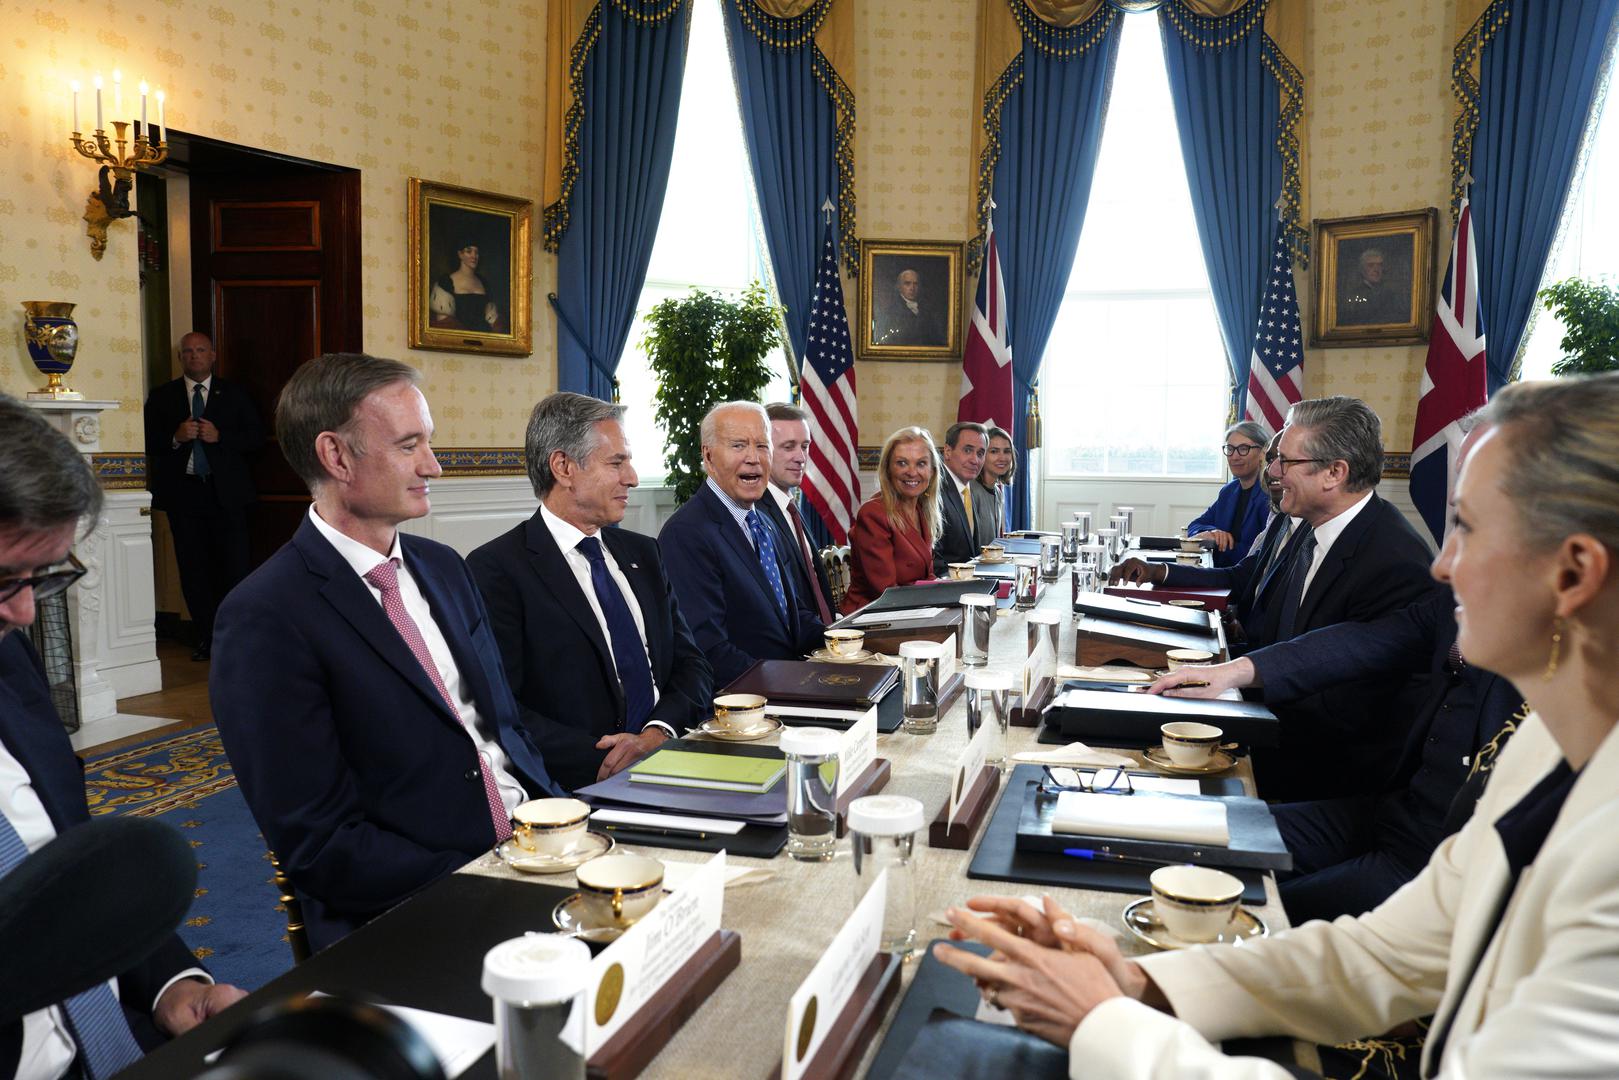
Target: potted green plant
[704,349]
[1589,311]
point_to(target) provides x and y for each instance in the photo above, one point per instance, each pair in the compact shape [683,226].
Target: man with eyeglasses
[46,492]
[1238,514]
[1352,558]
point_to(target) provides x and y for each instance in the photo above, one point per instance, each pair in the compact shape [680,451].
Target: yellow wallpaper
[915,176]
[1379,115]
[448,92]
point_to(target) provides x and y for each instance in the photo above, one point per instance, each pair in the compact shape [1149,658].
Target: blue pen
[1095,855]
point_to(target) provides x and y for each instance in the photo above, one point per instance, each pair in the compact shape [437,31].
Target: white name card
[820,998]
[968,765]
[856,751]
[947,660]
[630,970]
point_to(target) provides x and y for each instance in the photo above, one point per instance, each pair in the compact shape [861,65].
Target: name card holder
[1101,642]
[970,814]
[633,1047]
[870,782]
[1030,713]
[838,1056]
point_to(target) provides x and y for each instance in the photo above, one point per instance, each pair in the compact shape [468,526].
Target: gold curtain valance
[572,27]
[1476,23]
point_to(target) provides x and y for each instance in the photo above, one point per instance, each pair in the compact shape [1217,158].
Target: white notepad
[1188,821]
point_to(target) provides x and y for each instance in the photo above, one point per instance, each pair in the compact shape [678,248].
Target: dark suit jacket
[1459,714]
[1347,741]
[801,578]
[33,733]
[724,595]
[881,555]
[361,778]
[240,433]
[559,663]
[956,544]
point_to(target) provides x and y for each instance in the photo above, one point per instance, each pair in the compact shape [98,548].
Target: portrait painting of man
[911,296]
[1374,279]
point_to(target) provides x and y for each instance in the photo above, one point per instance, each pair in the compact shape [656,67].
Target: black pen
[652,830]
[1097,855]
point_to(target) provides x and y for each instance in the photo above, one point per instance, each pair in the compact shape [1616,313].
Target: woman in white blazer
[1510,936]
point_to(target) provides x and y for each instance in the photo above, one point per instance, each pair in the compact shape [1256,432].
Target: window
[1588,246]
[709,234]
[1135,369]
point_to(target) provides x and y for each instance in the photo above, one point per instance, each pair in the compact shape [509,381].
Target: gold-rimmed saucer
[1218,762]
[592,845]
[1142,921]
[859,656]
[569,917]
[987,561]
[748,734]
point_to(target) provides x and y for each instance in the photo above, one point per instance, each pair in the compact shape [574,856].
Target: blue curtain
[790,124]
[1227,105]
[632,81]
[1536,78]
[1050,132]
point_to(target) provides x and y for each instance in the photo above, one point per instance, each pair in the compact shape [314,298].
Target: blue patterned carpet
[236,925]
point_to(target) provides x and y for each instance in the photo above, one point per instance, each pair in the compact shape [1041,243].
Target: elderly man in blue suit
[356,683]
[730,574]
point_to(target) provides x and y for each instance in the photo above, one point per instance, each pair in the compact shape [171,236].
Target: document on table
[1187,821]
[903,615]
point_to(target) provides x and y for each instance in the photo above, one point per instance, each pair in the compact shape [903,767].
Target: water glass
[919,663]
[882,832]
[812,784]
[978,618]
[986,697]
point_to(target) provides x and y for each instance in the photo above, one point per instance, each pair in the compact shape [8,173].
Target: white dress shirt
[191,385]
[363,560]
[1326,533]
[738,511]
[567,538]
[47,1044]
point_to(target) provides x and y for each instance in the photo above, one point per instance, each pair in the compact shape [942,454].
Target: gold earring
[1557,648]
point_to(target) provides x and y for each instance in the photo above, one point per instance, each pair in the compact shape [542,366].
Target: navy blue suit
[363,781]
[1222,515]
[724,595]
[1345,742]
[559,663]
[1351,854]
[34,735]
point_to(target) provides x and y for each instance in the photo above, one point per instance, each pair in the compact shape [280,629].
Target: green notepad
[717,772]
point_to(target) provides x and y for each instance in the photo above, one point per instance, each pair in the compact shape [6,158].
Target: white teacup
[844,643]
[992,552]
[1194,903]
[1190,745]
[619,890]
[1190,545]
[739,712]
[1179,658]
[961,571]
[550,826]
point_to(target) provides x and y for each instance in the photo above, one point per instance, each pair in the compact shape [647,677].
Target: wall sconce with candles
[119,158]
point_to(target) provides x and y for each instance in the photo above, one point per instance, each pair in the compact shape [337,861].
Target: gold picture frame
[929,326]
[1374,279]
[458,238]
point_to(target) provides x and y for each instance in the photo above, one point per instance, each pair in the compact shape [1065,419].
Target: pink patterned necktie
[385,576]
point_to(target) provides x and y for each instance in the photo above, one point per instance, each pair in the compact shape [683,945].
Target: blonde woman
[891,541]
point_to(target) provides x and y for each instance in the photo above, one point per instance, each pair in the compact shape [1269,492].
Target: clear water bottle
[882,831]
[537,983]
[812,783]
[987,703]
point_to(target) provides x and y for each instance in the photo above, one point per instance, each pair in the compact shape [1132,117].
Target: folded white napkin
[1129,817]
[1105,674]
[1077,753]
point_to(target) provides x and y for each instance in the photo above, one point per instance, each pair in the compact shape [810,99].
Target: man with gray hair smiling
[726,559]
[595,648]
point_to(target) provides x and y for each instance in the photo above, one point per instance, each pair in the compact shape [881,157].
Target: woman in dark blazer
[1000,465]
[1240,511]
[891,541]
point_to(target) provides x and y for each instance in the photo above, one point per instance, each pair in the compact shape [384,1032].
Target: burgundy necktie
[385,576]
[809,562]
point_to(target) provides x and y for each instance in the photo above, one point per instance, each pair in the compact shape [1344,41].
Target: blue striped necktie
[105,1044]
[629,654]
[766,550]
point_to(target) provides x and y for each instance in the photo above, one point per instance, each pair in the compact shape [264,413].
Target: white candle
[99,124]
[162,128]
[75,105]
[117,92]
[143,104]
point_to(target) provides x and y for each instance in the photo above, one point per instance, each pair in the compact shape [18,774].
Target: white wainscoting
[1162,506]
[471,511]
[111,612]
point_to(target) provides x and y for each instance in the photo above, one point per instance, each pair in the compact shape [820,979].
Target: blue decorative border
[119,472]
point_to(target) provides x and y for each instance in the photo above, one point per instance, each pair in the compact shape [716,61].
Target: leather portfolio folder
[1130,718]
[803,682]
[884,635]
[930,594]
[1140,609]
[1100,641]
[1255,843]
[1213,599]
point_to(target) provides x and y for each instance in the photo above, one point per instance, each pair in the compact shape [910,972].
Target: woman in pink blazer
[891,541]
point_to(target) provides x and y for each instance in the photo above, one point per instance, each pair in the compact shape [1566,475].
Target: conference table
[785,921]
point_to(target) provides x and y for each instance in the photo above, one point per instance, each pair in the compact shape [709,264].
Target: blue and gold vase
[53,341]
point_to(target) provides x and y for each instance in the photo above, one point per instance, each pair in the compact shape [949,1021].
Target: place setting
[845,646]
[550,836]
[614,894]
[740,718]
[1191,749]
[1192,905]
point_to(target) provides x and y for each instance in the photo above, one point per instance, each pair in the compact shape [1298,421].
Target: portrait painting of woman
[470,270]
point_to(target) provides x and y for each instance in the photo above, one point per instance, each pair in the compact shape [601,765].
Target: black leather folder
[931,594]
[1254,841]
[1112,718]
[1135,609]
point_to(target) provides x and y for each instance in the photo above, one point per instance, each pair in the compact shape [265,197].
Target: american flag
[826,383]
[986,365]
[1276,369]
[1453,382]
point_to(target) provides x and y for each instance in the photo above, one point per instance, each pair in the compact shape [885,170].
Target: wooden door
[276,279]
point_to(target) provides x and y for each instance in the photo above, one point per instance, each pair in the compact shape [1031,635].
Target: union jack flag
[1453,380]
[1276,369]
[826,386]
[986,364]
